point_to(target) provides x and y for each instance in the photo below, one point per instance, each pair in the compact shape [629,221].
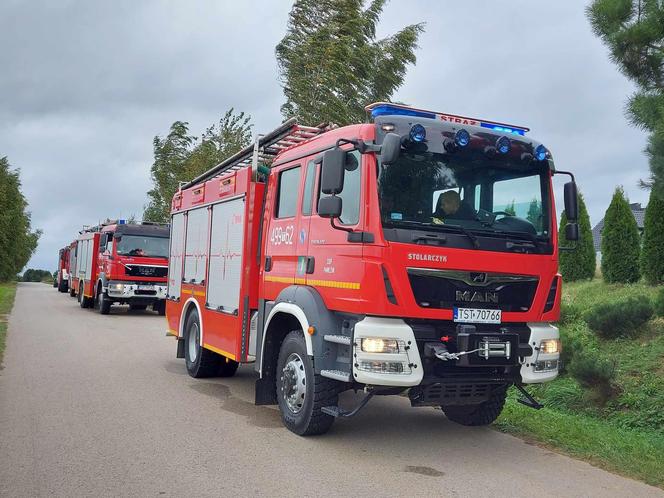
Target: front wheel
[103,303]
[481,414]
[300,392]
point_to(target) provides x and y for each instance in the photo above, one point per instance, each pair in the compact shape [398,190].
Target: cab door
[282,234]
[336,268]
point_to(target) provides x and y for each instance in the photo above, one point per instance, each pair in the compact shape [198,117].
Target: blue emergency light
[418,133]
[462,138]
[503,145]
[540,152]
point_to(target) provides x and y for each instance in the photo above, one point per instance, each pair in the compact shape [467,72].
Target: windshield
[470,194]
[138,245]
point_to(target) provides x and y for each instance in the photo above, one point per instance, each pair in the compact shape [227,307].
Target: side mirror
[390,149]
[571,202]
[332,171]
[329,207]
[572,231]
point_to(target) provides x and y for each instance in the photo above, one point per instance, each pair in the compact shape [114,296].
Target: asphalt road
[95,405]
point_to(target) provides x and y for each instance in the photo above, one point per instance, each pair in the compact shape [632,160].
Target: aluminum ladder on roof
[263,150]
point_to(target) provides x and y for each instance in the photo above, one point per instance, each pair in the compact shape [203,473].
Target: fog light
[115,287]
[546,365]
[388,367]
[378,345]
[550,346]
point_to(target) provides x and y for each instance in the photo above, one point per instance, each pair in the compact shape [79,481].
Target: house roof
[639,215]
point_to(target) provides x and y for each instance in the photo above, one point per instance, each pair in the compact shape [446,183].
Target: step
[338,339]
[336,375]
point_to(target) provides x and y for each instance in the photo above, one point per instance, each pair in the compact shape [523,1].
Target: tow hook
[529,400]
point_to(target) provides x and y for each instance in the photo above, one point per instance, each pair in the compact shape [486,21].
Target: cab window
[289,184]
[350,195]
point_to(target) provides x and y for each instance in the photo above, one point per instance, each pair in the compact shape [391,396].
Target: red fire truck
[62,278]
[126,263]
[417,252]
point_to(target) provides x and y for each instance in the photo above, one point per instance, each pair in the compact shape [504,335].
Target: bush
[621,318]
[595,373]
[579,264]
[620,242]
[652,262]
[659,303]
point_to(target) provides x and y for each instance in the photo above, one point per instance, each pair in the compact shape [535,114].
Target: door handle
[268,263]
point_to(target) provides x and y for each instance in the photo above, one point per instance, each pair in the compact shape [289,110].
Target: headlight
[116,287]
[550,346]
[378,345]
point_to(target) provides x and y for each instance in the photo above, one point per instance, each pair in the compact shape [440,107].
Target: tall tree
[17,240]
[580,263]
[535,214]
[652,251]
[331,65]
[181,157]
[633,30]
[620,242]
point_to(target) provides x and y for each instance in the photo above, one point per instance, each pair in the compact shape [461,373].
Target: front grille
[140,292]
[445,289]
[146,271]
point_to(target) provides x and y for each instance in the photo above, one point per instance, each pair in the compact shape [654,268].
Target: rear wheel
[83,301]
[72,291]
[300,392]
[481,414]
[200,362]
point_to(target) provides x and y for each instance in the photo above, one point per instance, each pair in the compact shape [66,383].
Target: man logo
[477,297]
[478,278]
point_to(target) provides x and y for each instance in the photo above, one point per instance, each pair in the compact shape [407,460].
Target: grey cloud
[87,84]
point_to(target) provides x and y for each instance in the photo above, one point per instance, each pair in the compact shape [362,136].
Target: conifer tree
[620,242]
[579,263]
[331,65]
[652,252]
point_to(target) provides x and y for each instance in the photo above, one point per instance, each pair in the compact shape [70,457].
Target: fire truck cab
[415,253]
[131,266]
[62,277]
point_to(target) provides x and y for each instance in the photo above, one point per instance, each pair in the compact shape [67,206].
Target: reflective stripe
[316,283]
[220,351]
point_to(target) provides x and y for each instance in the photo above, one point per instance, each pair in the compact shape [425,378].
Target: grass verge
[635,454]
[7,293]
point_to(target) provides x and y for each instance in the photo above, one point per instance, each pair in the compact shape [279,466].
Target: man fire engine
[414,253]
[62,277]
[126,263]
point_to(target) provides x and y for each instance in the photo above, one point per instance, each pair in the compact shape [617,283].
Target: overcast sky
[86,85]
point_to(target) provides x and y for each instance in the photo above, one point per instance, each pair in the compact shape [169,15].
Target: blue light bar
[503,129]
[122,222]
[391,110]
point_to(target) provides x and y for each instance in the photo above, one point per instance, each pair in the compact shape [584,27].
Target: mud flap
[180,350]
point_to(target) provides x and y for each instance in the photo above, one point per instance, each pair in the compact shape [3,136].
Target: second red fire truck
[118,262]
[415,253]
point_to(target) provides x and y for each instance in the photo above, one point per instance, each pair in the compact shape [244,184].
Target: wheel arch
[189,305]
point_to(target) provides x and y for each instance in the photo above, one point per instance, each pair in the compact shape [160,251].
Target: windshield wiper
[442,228]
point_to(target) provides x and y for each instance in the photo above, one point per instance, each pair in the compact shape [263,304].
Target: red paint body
[348,276]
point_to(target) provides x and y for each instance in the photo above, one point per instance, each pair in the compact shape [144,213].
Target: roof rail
[264,149]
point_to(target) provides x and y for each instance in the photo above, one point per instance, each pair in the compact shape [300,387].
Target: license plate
[146,287]
[474,315]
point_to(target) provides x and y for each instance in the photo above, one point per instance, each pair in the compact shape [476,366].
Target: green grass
[632,453]
[7,293]
[624,434]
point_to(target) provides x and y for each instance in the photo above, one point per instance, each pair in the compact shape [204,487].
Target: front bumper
[413,365]
[126,291]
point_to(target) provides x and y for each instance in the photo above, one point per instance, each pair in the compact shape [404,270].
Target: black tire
[103,304]
[72,291]
[55,283]
[481,414]
[83,301]
[319,391]
[160,307]
[200,362]
[62,286]
[227,367]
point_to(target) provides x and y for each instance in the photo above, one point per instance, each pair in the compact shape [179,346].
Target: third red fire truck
[415,253]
